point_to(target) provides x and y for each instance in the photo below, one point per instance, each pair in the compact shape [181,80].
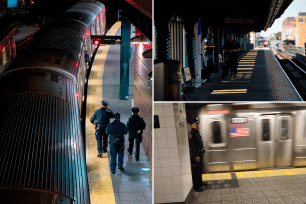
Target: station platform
[258,78]
[132,185]
[284,186]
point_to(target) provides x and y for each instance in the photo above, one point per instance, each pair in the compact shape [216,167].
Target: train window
[265,130]
[4,55]
[284,129]
[300,19]
[216,132]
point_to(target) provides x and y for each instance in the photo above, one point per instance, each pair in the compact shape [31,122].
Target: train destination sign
[239,122]
[217,112]
[240,20]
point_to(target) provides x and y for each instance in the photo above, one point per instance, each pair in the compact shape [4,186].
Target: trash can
[167,80]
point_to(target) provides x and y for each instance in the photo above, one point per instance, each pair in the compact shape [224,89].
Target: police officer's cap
[193,120]
[117,115]
[105,103]
[135,110]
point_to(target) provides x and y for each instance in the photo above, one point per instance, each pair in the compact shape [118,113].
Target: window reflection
[265,130]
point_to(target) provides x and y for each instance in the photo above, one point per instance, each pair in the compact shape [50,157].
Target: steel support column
[124,58]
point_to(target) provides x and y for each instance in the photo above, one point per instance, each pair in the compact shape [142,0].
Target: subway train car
[253,136]
[7,46]
[42,152]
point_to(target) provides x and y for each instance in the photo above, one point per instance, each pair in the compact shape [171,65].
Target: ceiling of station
[242,15]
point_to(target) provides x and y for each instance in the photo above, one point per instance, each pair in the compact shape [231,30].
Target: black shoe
[203,184]
[199,189]
[137,159]
[113,172]
[100,155]
[104,151]
[121,169]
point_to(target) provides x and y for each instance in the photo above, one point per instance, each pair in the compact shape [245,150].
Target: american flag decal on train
[240,132]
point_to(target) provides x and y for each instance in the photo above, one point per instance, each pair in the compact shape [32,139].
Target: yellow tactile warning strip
[101,182]
[254,174]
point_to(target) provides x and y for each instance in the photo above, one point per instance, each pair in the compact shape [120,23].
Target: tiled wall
[143,92]
[172,172]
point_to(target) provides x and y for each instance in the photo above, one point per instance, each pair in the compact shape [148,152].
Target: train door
[265,140]
[274,139]
[284,140]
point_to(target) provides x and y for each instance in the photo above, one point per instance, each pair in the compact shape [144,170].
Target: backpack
[116,135]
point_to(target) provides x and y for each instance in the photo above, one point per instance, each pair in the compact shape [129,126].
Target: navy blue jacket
[118,126]
[135,121]
[102,116]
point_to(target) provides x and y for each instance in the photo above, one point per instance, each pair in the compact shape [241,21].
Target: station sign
[239,20]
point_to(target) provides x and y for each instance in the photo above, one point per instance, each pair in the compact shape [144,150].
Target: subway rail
[7,46]
[42,150]
[295,72]
[253,136]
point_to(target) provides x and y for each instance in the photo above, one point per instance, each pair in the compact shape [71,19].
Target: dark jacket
[102,116]
[135,123]
[117,126]
[195,144]
[231,46]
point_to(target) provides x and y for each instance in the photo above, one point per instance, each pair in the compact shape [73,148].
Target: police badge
[189,135]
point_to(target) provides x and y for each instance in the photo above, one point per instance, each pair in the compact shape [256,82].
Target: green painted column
[124,58]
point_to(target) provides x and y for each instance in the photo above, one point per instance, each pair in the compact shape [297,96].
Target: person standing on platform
[207,50]
[231,49]
[101,119]
[196,154]
[116,131]
[135,125]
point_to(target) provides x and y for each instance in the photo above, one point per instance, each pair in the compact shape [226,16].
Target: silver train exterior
[42,153]
[253,136]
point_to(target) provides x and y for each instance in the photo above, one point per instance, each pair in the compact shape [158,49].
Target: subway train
[253,136]
[42,151]
[7,46]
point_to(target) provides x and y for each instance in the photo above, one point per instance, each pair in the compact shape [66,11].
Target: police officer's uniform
[208,65]
[196,150]
[230,58]
[119,129]
[102,118]
[135,125]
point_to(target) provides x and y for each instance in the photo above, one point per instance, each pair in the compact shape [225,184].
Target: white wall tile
[171,132]
[155,143]
[159,190]
[158,104]
[159,199]
[167,181]
[173,152]
[168,190]
[168,104]
[175,171]
[176,180]
[178,198]
[172,142]
[163,152]
[157,171]
[164,162]
[170,122]
[162,143]
[166,172]
[168,111]
[162,122]
[159,111]
[156,162]
[174,162]
[160,133]
[158,181]
[156,155]
[178,188]
[169,198]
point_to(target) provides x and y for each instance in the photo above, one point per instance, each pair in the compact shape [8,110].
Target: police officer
[196,154]
[116,131]
[135,125]
[231,48]
[101,119]
[207,50]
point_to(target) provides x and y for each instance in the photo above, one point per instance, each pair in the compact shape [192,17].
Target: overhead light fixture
[147,54]
[137,39]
